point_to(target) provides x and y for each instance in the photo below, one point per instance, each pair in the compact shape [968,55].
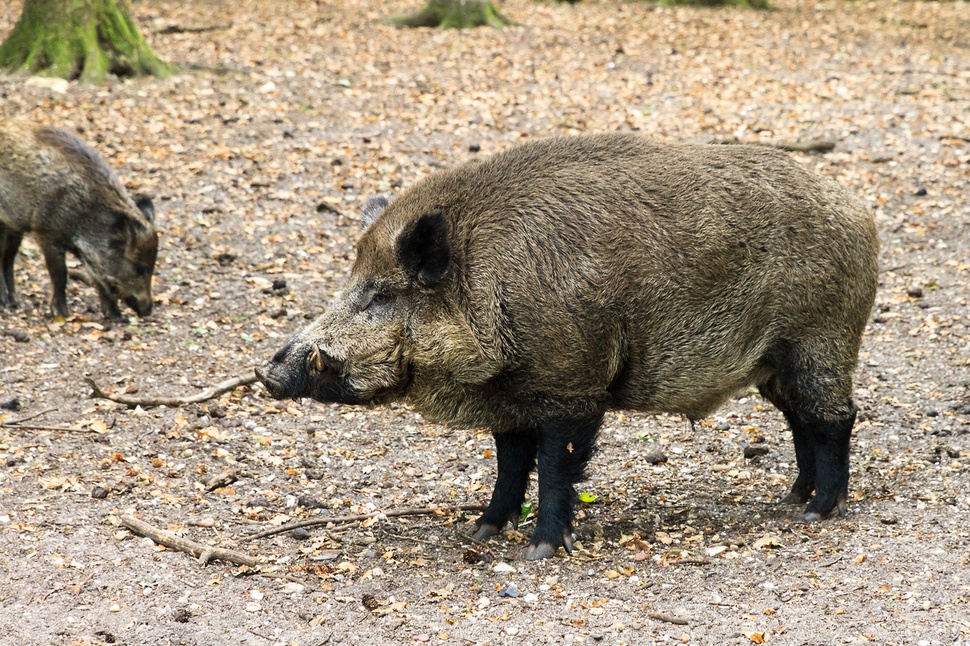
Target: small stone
[915,292]
[509,591]
[279,284]
[920,192]
[530,598]
[99,493]
[181,615]
[655,456]
[114,608]
[888,519]
[300,534]
[474,148]
[503,568]
[755,450]
[20,336]
[309,502]
[11,404]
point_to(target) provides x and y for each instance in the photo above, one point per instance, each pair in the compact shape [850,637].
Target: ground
[259,154]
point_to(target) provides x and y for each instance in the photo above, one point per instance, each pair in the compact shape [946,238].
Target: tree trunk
[454,14]
[79,39]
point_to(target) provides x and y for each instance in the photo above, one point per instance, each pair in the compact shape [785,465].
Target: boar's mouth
[318,375]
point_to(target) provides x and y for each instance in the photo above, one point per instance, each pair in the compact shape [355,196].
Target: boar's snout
[292,370]
[142,306]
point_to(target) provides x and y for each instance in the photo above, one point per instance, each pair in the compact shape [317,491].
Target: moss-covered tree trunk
[79,39]
[454,14]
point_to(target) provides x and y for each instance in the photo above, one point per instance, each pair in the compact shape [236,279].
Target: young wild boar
[61,190]
[530,292]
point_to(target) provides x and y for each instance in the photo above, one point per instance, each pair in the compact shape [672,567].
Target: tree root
[454,14]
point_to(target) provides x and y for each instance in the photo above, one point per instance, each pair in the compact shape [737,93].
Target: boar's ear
[146,206]
[372,210]
[126,229]
[423,250]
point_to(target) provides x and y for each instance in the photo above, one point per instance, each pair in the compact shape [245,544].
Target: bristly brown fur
[58,188]
[532,291]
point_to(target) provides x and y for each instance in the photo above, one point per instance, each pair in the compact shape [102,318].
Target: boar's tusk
[314,361]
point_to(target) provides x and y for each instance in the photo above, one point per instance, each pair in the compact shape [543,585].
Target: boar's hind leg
[9,244]
[516,455]
[565,447]
[821,442]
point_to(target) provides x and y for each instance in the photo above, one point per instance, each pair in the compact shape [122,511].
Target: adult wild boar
[530,292]
[55,186]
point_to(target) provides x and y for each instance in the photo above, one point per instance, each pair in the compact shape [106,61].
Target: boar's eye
[379,298]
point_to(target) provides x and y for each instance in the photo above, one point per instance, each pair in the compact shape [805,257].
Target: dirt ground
[259,154]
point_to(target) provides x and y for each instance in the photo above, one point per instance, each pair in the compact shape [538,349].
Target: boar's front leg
[109,305]
[565,447]
[9,244]
[515,452]
[54,258]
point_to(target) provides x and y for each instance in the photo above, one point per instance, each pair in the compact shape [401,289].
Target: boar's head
[359,351]
[124,270]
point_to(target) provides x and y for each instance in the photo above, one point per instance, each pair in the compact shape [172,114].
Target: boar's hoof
[485,530]
[540,551]
[547,550]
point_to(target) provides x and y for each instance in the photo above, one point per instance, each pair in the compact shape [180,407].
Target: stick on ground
[174,402]
[326,520]
[204,553]
[670,619]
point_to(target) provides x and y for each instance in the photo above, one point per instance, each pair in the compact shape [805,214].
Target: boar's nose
[142,306]
[274,387]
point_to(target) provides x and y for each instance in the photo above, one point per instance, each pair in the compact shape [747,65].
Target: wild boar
[60,189]
[531,292]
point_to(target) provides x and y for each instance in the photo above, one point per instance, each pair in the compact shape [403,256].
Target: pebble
[300,534]
[530,598]
[114,608]
[509,591]
[655,456]
[754,450]
[99,493]
[915,292]
[503,568]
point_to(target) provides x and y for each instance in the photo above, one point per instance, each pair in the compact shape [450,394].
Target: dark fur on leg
[565,447]
[801,490]
[515,452]
[831,467]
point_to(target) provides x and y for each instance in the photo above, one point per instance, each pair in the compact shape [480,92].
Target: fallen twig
[148,402]
[34,416]
[19,423]
[670,619]
[806,146]
[204,553]
[326,520]
[179,29]
[34,427]
[802,145]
